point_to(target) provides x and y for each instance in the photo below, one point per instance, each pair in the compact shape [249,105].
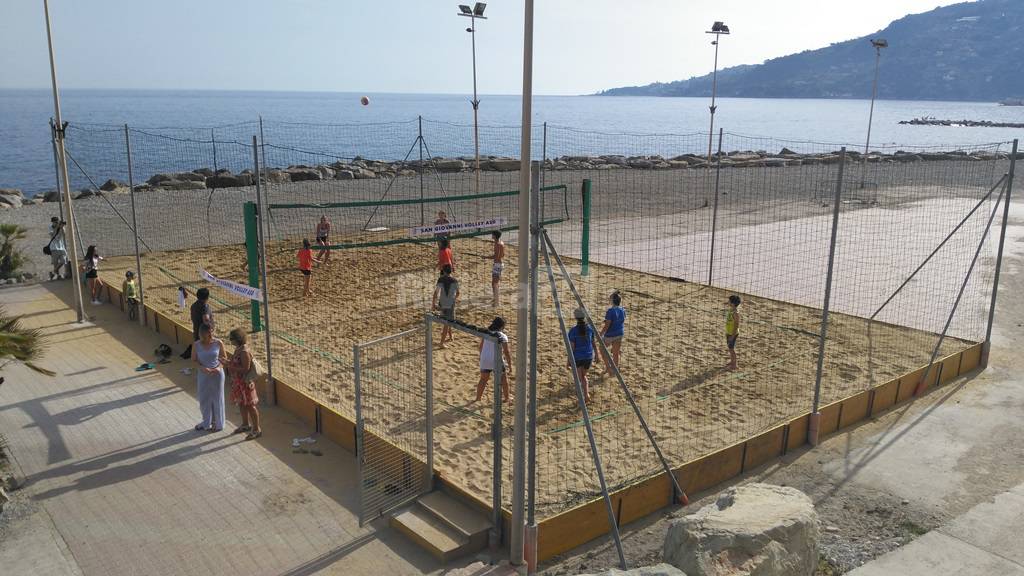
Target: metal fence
[674,234]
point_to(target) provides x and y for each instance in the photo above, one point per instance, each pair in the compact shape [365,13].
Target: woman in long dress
[209,355]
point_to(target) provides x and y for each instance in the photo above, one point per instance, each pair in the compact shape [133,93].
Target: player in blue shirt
[613,330]
[581,337]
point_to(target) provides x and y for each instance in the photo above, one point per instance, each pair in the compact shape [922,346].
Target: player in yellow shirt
[732,329]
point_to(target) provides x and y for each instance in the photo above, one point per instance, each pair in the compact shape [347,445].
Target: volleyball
[364,101]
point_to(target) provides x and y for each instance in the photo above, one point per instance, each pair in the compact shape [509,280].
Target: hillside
[968,51]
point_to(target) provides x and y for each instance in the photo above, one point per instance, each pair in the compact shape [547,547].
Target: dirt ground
[673,358]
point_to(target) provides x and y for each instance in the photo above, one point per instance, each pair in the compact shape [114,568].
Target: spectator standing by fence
[209,356]
[243,385]
[58,250]
[91,267]
[201,313]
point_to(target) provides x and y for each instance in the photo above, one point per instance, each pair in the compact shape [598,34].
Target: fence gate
[393,445]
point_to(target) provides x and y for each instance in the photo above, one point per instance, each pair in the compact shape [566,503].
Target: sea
[26,157]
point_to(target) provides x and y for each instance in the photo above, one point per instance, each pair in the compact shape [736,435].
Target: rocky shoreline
[363,169]
[962,123]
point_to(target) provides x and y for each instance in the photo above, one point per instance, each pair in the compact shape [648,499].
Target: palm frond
[20,344]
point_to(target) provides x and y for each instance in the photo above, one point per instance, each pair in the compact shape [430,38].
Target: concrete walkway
[119,482]
[963,456]
[986,540]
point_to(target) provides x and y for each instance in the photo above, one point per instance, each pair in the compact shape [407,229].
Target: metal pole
[544,157]
[871,116]
[612,523]
[357,371]
[499,374]
[923,383]
[263,158]
[987,345]
[476,106]
[519,431]
[678,495]
[530,545]
[428,362]
[714,90]
[714,212]
[213,140]
[70,216]
[939,247]
[56,168]
[262,234]
[419,140]
[135,228]
[815,420]
[522,317]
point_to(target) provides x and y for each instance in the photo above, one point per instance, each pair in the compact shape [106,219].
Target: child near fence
[130,291]
[732,329]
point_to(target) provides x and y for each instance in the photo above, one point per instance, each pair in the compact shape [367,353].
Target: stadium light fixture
[877,44]
[718,29]
[477,12]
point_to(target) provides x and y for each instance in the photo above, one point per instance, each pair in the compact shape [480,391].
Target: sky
[580,46]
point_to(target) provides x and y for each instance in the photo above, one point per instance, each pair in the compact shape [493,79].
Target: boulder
[907,158]
[205,172]
[616,160]
[344,175]
[326,172]
[111,185]
[156,179]
[51,196]
[505,164]
[301,174]
[175,184]
[11,197]
[278,176]
[363,174]
[641,164]
[756,529]
[87,193]
[786,152]
[775,162]
[656,570]
[453,165]
[225,179]
[744,157]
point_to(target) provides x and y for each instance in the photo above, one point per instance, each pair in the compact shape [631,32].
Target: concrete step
[468,522]
[431,533]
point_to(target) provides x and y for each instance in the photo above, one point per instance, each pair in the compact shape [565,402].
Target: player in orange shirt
[444,254]
[306,266]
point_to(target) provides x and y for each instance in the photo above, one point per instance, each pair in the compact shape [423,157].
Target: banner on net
[456,227]
[249,292]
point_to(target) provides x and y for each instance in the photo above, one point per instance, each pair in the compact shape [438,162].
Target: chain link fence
[650,216]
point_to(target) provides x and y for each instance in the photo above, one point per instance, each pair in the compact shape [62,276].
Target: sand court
[673,356]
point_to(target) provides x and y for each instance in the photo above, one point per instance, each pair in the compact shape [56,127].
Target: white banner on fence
[240,289]
[456,227]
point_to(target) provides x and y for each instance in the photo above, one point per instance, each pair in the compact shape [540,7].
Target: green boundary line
[296,341]
[367,203]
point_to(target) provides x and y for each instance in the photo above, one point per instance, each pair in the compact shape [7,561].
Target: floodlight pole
[63,161]
[522,313]
[714,91]
[473,16]
[871,114]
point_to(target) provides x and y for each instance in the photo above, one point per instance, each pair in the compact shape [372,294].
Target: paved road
[118,482]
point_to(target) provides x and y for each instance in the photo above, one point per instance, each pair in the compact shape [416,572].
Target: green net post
[585,241]
[253,260]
